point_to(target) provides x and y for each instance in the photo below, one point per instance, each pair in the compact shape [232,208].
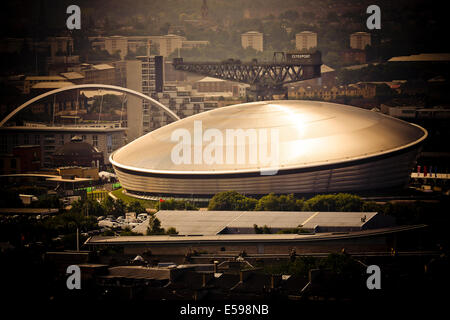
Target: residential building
[183,101]
[170,43]
[359,40]
[190,44]
[328,93]
[167,44]
[252,39]
[305,40]
[100,74]
[105,137]
[115,44]
[145,74]
[209,84]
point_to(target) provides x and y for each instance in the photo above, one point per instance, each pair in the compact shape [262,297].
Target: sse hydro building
[288,146]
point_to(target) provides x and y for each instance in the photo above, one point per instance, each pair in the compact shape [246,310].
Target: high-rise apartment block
[252,39]
[359,40]
[305,40]
[145,74]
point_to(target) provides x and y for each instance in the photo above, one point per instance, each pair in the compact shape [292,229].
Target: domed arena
[286,146]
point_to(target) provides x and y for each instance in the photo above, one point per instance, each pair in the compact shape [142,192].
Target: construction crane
[265,78]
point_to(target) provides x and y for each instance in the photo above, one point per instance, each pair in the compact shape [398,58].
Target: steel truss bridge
[265,78]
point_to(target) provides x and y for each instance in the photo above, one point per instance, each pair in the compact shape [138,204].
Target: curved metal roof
[310,133]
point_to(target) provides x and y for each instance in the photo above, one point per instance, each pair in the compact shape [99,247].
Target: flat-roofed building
[252,39]
[359,40]
[170,43]
[30,81]
[209,84]
[99,74]
[145,74]
[189,222]
[74,77]
[305,40]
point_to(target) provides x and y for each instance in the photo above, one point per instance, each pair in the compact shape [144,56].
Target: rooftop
[258,238]
[310,133]
[210,79]
[52,85]
[189,222]
[72,75]
[102,66]
[43,78]
[422,57]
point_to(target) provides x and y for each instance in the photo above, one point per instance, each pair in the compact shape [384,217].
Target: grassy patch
[127,199]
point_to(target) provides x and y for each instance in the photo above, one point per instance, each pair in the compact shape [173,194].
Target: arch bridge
[89,86]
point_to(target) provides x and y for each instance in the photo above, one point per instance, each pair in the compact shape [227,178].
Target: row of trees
[232,200]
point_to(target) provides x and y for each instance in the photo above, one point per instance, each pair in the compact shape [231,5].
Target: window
[13,163]
[95,140]
[26,140]
[37,139]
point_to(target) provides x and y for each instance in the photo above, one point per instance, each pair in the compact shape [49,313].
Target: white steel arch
[89,86]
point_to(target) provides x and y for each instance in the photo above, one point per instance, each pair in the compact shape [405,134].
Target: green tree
[231,200]
[334,202]
[172,204]
[114,207]
[127,232]
[271,202]
[154,226]
[171,230]
[262,230]
[136,207]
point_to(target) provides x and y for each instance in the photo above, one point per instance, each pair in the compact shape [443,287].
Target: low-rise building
[76,152]
[78,172]
[31,81]
[209,84]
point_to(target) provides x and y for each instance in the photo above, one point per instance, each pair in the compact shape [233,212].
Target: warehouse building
[209,223]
